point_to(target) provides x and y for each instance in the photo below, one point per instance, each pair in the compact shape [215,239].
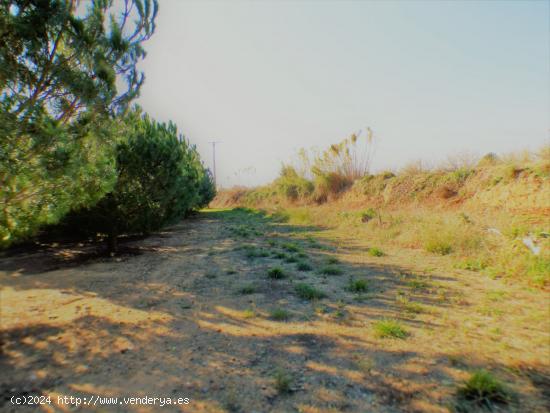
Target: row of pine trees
[73,150]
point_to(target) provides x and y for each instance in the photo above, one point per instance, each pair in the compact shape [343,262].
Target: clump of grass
[330,270]
[418,284]
[303,266]
[249,313]
[313,243]
[247,289]
[473,264]
[410,306]
[280,314]
[438,246]
[231,271]
[308,292]
[375,252]
[357,286]
[291,247]
[280,255]
[484,390]
[283,381]
[332,260]
[276,273]
[369,214]
[291,258]
[390,329]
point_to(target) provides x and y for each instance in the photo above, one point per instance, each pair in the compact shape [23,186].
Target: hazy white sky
[430,78]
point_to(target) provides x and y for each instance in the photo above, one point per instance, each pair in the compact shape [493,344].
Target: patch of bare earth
[191,316]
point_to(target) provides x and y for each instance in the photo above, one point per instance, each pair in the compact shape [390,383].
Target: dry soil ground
[190,312]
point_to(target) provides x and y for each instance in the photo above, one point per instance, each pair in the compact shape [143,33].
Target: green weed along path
[241,312]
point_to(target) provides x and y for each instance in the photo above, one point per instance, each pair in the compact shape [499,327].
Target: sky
[431,79]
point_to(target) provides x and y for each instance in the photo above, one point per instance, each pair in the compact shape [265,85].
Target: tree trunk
[113,242]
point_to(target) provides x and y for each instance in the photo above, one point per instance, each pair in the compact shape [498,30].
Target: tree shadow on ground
[174,321]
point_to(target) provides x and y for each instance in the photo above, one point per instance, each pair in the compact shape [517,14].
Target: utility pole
[214,159]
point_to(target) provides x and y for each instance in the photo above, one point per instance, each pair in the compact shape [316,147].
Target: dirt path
[191,314]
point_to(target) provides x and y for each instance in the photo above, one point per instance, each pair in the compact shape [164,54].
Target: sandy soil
[167,318]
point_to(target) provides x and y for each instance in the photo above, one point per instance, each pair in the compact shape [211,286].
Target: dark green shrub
[159,179]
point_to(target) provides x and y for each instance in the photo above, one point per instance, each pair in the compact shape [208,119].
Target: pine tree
[160,179]
[59,67]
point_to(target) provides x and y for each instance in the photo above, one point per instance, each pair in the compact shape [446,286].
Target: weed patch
[276,273]
[483,390]
[390,329]
[308,292]
[330,270]
[375,252]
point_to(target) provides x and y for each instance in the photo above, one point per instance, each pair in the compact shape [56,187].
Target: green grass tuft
[438,246]
[247,289]
[376,252]
[283,381]
[330,270]
[303,266]
[291,247]
[484,390]
[331,260]
[358,286]
[390,329]
[276,273]
[280,314]
[308,292]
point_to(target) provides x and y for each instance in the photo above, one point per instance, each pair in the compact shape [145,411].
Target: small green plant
[375,252]
[276,273]
[291,259]
[308,292]
[484,390]
[249,313]
[409,306]
[280,314]
[357,286]
[473,264]
[303,266]
[280,255]
[332,260]
[418,284]
[231,271]
[388,328]
[247,289]
[283,381]
[330,270]
[291,247]
[369,214]
[438,246]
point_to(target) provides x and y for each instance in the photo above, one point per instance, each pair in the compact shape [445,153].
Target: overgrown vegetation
[480,215]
